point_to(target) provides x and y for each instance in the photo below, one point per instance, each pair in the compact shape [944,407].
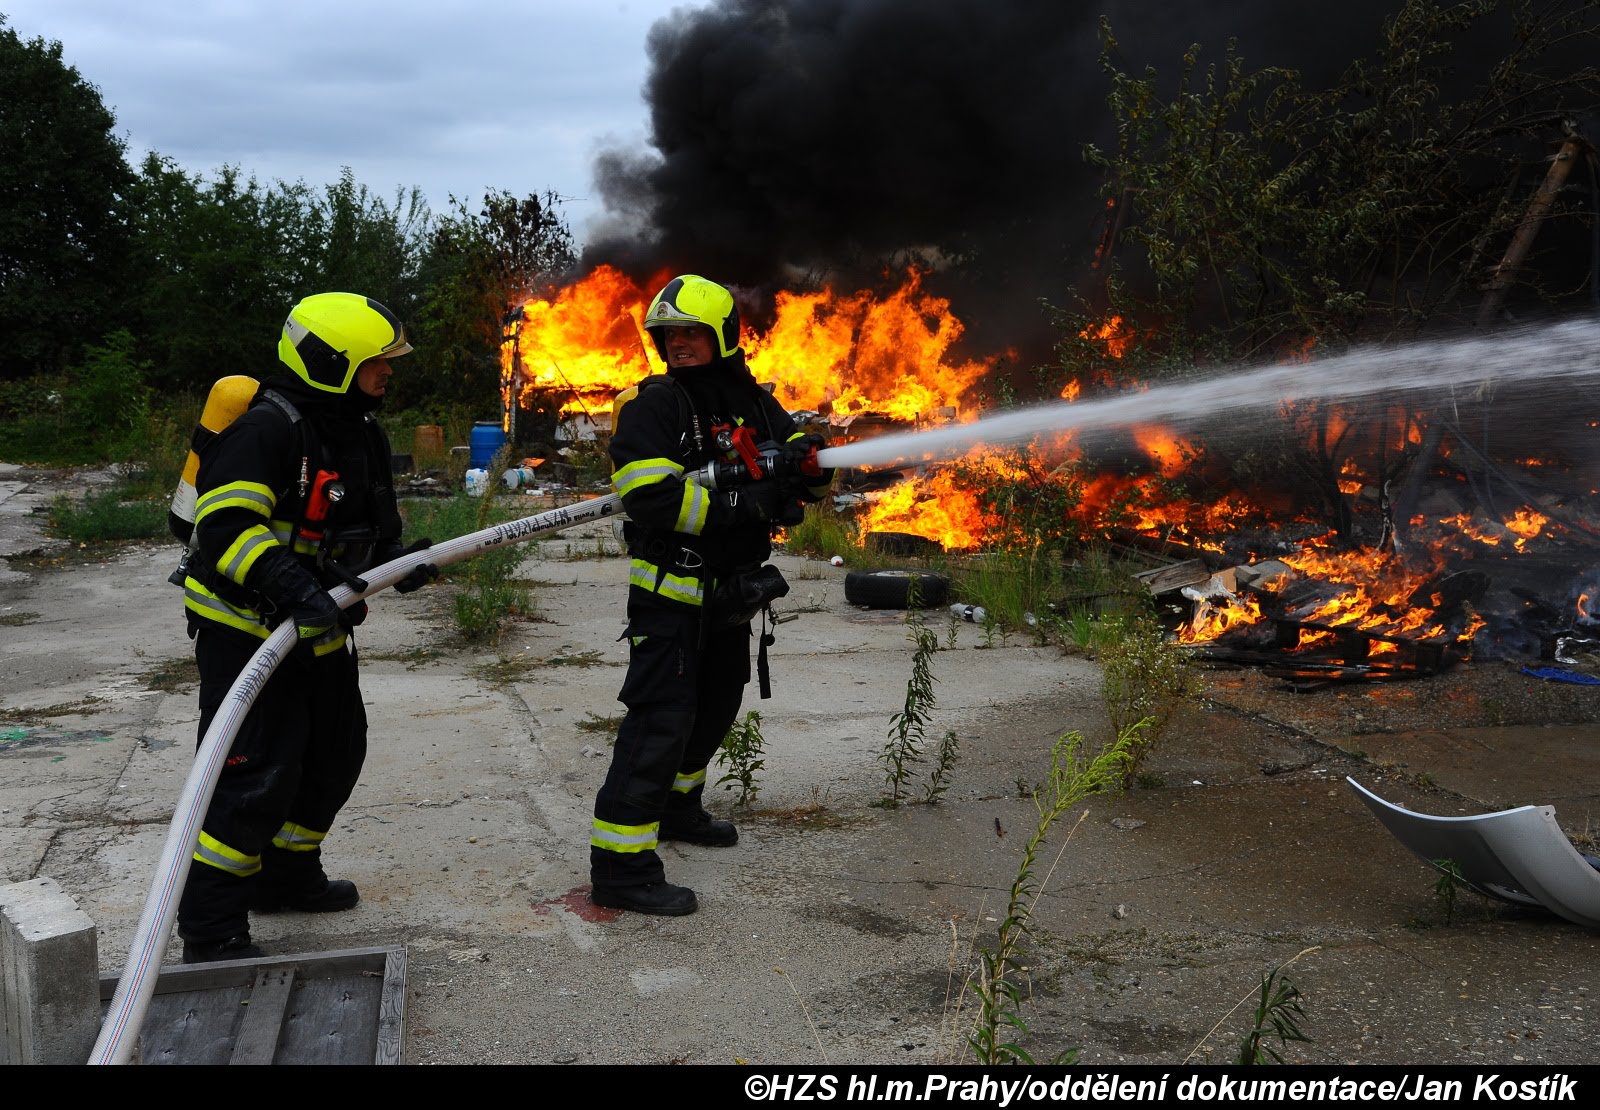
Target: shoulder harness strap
[297,421]
[687,416]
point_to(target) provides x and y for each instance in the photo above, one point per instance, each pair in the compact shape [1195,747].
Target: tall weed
[1075,774]
[908,728]
[823,533]
[1144,678]
[489,593]
[741,752]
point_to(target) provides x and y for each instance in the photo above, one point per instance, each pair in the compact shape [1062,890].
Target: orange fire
[1377,593]
[1112,333]
[1171,453]
[1114,337]
[831,352]
[854,353]
[942,506]
[1523,526]
[588,342]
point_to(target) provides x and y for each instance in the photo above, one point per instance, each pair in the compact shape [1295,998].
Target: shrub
[1144,678]
[105,517]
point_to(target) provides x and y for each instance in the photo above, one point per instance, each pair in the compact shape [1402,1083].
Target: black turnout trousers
[296,758]
[686,677]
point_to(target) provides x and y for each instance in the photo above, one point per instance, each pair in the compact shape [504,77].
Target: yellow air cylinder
[229,397]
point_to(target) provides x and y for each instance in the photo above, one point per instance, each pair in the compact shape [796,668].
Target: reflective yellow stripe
[236,495]
[685,783]
[330,641]
[212,851]
[298,838]
[646,575]
[243,552]
[202,602]
[644,472]
[624,838]
[693,511]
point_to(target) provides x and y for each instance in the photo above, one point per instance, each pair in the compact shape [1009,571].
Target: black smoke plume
[796,138]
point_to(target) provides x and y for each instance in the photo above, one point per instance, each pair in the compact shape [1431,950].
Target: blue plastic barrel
[485,442]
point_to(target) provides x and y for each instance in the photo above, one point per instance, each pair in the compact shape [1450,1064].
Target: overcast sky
[452,97]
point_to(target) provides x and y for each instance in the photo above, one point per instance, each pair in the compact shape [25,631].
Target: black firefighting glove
[800,455]
[353,614]
[800,468]
[295,591]
[419,576]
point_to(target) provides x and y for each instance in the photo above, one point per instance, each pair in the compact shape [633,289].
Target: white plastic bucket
[477,480]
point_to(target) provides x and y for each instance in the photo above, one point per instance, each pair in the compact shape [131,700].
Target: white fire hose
[119,1032]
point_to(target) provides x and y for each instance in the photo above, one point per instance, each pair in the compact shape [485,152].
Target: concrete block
[49,976]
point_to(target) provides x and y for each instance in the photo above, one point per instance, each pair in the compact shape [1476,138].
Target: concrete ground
[838,931]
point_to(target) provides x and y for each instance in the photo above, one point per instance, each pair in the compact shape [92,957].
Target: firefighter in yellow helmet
[292,492]
[695,582]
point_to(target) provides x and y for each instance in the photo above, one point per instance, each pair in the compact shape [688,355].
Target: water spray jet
[1548,355]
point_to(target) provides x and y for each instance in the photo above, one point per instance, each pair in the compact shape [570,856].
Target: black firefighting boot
[295,881]
[234,948]
[214,917]
[691,824]
[661,899]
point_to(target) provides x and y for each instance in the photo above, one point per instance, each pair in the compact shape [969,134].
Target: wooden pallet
[345,1007]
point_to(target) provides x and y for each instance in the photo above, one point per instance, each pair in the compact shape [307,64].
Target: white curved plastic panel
[1518,855]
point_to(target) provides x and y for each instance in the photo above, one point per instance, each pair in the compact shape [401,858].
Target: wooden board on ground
[1190,572]
[345,1007]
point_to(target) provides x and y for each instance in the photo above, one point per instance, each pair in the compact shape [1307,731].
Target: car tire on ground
[891,589]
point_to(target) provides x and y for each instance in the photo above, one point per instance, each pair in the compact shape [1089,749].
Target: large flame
[585,344]
[856,353]
[839,353]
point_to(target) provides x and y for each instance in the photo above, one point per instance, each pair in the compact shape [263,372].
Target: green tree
[478,267]
[221,261]
[95,410]
[1263,213]
[359,243]
[63,239]
[218,263]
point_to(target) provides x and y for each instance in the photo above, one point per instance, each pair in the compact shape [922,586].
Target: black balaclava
[721,388]
[337,417]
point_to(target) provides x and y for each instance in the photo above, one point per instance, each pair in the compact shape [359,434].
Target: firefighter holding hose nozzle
[294,496]
[708,465]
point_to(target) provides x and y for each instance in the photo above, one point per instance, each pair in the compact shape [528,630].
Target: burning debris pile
[1440,587]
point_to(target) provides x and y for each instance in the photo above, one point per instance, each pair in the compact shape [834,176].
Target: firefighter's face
[689,345]
[372,378]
